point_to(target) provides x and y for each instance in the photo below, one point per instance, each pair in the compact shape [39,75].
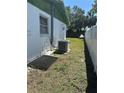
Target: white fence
[91,41]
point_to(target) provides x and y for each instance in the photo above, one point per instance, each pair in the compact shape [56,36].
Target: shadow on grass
[43,63]
[91,75]
[59,52]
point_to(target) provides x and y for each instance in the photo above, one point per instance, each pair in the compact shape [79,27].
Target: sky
[84,4]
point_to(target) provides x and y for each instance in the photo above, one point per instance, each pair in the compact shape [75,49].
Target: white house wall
[59,31]
[91,41]
[38,45]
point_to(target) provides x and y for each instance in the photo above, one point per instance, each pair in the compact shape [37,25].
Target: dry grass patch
[66,75]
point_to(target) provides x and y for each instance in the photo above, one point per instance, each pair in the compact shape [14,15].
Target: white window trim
[44,34]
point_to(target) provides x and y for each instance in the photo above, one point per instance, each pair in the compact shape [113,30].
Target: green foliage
[78,20]
[94,7]
[92,15]
[68,12]
[45,5]
[60,12]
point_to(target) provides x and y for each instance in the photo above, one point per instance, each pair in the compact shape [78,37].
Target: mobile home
[40,37]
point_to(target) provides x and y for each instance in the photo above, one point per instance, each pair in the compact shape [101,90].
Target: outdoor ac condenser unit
[62,46]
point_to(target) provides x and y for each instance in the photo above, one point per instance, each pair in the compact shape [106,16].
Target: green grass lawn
[66,75]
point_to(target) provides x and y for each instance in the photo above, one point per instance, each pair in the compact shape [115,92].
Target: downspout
[52,19]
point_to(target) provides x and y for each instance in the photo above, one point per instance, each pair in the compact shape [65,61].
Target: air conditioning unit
[62,46]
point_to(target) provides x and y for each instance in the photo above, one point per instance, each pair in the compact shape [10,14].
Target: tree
[76,19]
[92,15]
[68,14]
[94,7]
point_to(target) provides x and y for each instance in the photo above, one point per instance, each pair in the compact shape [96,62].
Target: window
[43,25]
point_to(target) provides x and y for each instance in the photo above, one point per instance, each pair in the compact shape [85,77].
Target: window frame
[45,25]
